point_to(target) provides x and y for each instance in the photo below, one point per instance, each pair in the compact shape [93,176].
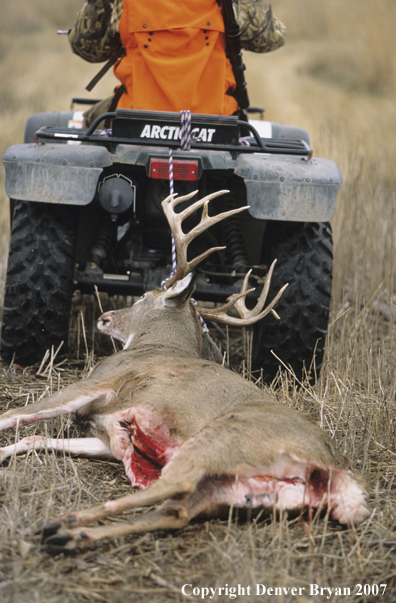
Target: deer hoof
[58,540]
[69,540]
[49,529]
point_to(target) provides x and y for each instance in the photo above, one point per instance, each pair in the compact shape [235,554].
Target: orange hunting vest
[175,57]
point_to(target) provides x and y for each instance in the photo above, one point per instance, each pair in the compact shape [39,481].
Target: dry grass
[336,77]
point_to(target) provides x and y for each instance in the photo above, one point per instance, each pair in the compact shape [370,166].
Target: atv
[86,213]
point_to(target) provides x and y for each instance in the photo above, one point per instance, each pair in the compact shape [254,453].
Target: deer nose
[106,319]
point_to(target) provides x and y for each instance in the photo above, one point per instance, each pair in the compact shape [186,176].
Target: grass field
[336,77]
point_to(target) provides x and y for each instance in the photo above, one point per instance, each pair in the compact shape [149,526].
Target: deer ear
[180,292]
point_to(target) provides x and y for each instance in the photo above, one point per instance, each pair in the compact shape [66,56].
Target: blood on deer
[192,434]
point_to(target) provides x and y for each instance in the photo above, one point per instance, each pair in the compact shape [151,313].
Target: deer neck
[171,329]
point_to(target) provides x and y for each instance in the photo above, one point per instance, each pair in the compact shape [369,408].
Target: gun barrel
[234,53]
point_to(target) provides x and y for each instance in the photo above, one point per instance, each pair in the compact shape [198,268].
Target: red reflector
[183,169]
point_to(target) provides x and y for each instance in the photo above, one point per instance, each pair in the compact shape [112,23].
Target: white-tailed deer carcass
[195,435]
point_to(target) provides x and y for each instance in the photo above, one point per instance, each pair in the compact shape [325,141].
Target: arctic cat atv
[86,211]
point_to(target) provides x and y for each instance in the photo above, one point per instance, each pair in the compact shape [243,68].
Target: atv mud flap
[294,189]
[57,173]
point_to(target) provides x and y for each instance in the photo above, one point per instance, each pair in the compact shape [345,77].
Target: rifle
[234,53]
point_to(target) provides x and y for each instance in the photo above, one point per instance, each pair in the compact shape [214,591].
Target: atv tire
[39,284]
[305,259]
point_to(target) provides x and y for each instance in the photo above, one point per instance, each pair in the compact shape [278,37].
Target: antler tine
[181,239]
[174,200]
[238,301]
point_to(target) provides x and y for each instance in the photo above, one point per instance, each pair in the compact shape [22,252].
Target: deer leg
[69,399]
[89,447]
[170,516]
[157,492]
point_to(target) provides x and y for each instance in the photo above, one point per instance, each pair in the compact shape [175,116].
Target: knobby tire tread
[304,253]
[39,284]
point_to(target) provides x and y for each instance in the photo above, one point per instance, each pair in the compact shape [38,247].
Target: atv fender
[54,173]
[293,189]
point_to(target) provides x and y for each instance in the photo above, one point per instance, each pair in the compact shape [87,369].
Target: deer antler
[238,301]
[182,240]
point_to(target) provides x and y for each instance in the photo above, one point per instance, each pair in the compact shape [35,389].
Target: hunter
[170,55]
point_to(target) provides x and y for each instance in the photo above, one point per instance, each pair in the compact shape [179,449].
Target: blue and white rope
[185,145]
[172,190]
[204,326]
[171,186]
[185,131]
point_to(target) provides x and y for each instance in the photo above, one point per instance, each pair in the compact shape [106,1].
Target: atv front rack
[157,128]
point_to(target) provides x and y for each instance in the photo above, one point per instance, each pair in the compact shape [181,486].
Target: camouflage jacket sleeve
[95,35]
[261,31]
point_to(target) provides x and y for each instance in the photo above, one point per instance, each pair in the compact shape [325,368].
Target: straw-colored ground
[336,77]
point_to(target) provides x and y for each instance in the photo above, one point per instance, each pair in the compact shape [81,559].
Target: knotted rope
[185,145]
[185,132]
[172,190]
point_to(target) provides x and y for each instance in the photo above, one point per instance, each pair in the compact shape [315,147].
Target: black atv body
[87,212]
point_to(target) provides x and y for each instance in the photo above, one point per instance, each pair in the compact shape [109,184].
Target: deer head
[167,314]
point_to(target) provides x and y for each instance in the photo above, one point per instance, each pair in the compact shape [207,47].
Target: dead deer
[195,434]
